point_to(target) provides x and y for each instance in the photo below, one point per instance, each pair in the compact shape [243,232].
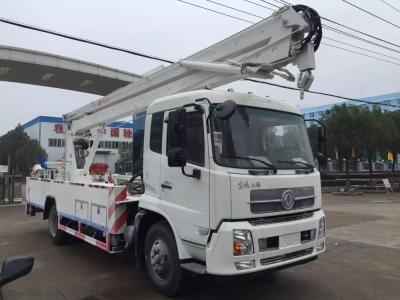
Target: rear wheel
[57,236]
[162,259]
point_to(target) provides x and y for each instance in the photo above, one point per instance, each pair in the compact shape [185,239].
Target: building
[49,131]
[316,112]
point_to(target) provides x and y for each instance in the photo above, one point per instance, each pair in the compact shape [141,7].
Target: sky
[174,30]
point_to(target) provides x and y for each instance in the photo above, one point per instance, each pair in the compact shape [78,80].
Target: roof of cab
[217,96]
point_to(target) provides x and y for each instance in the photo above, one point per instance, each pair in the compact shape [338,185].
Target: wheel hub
[159,258]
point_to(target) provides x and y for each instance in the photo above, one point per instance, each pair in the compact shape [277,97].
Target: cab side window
[156,132]
[194,138]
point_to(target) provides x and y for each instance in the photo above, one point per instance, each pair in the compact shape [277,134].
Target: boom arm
[290,35]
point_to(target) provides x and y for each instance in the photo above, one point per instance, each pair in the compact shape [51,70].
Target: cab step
[194,267]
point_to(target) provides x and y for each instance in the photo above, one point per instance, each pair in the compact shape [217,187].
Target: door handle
[166,186]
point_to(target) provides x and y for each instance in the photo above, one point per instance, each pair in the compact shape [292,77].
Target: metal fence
[357,166]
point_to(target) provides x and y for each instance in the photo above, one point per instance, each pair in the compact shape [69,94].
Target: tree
[345,129]
[357,127]
[23,151]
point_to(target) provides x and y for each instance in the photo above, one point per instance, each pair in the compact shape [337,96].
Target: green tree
[357,127]
[23,151]
[344,129]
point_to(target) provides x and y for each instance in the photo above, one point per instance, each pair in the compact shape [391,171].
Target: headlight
[321,229]
[242,242]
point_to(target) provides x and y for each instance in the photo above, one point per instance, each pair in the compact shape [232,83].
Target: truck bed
[99,206]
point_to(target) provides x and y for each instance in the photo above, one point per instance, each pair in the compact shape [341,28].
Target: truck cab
[228,187]
[234,176]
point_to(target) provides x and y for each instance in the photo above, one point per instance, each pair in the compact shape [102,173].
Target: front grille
[285,257]
[270,200]
[281,219]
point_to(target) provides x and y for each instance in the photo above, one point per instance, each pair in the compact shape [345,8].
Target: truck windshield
[252,136]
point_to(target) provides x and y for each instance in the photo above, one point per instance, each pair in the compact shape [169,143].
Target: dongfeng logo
[288,199]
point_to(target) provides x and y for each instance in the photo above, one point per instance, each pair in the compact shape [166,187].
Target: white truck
[228,183]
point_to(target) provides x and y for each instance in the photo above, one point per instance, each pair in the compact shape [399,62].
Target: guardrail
[357,166]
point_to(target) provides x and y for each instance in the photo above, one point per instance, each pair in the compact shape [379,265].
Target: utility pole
[10,180]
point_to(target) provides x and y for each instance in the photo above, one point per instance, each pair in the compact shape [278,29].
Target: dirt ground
[362,261]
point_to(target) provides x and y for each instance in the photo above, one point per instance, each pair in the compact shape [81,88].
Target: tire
[58,236]
[162,260]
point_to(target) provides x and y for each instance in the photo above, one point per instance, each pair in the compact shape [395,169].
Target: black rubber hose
[315,34]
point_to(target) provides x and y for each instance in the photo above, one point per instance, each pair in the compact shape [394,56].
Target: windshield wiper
[297,162]
[270,166]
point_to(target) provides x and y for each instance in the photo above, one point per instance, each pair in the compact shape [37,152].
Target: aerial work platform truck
[228,183]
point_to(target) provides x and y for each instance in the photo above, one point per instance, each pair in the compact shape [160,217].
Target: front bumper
[221,261]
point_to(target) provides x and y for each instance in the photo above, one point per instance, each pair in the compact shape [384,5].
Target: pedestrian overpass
[45,69]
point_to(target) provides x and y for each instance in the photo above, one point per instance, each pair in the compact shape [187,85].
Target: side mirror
[225,110]
[322,161]
[176,138]
[321,144]
[176,157]
[14,268]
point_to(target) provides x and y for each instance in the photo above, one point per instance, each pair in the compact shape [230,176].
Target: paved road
[362,262]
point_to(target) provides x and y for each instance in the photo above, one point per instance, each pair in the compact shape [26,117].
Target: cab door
[187,199]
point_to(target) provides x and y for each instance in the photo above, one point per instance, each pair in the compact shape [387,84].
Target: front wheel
[57,236]
[162,259]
